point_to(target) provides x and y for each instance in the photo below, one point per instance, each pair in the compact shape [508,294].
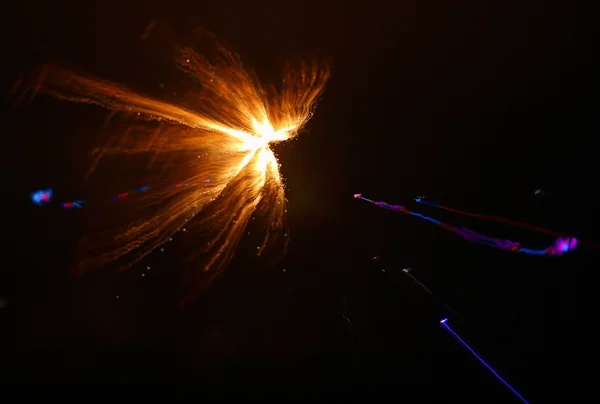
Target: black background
[473,104]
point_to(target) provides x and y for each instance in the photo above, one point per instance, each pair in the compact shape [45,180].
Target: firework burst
[217,138]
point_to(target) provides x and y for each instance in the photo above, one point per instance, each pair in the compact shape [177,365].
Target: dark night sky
[473,105]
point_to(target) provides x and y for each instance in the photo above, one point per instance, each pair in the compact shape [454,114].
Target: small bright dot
[117,296]
[284,270]
[187,61]
[143,274]
[184,229]
[162,249]
[147,268]
[171,239]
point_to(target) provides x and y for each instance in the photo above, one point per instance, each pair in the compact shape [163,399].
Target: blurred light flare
[41,197]
[216,139]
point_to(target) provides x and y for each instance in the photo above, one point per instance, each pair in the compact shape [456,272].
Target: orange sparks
[222,128]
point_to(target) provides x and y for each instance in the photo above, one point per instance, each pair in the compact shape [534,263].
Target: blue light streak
[444,323]
[533,252]
[425,218]
[419,200]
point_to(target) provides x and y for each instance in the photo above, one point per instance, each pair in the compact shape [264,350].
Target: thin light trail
[407,271]
[444,324]
[348,322]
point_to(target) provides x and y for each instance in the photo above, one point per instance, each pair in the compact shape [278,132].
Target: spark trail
[561,246]
[221,128]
